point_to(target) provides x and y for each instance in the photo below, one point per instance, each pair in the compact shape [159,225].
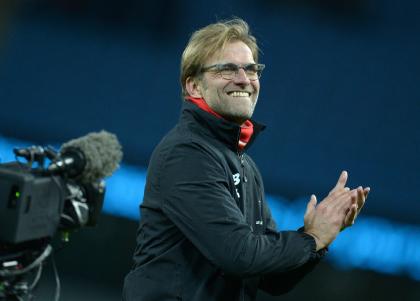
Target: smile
[239,94]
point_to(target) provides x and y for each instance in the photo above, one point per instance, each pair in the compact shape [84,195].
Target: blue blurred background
[340,91]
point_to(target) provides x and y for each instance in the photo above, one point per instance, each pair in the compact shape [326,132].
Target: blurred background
[340,91]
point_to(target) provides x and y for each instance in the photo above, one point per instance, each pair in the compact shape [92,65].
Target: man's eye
[251,68]
[228,67]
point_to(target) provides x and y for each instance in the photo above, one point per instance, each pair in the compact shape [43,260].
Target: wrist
[318,242]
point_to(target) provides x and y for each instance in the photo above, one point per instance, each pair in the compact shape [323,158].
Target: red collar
[202,104]
[247,128]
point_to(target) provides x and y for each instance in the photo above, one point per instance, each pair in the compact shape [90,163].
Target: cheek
[256,86]
[219,89]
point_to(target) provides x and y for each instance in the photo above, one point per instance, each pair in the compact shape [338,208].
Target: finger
[341,183]
[350,217]
[333,196]
[338,201]
[338,193]
[366,192]
[345,200]
[310,207]
[361,198]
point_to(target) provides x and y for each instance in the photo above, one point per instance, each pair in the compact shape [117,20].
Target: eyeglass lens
[229,71]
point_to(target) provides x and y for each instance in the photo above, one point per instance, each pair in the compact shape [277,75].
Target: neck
[239,121]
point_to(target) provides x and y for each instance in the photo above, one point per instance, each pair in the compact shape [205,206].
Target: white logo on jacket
[236,181]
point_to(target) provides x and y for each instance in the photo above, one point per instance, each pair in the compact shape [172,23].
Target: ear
[193,88]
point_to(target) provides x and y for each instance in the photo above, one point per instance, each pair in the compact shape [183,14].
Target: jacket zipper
[244,180]
[260,221]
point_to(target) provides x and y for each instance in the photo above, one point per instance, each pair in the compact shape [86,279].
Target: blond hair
[207,41]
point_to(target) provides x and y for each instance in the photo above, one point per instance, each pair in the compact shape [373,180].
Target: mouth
[239,94]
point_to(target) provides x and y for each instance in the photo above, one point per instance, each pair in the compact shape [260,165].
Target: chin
[240,118]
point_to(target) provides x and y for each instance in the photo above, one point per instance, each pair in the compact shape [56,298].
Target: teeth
[239,94]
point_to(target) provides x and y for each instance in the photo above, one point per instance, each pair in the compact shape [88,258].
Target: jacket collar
[226,132]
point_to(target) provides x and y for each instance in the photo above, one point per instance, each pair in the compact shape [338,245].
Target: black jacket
[205,231]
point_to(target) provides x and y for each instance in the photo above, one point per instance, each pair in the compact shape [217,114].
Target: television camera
[45,191]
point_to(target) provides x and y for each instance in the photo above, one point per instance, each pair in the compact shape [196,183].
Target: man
[206,232]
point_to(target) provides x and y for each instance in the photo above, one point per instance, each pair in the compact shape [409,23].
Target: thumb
[311,205]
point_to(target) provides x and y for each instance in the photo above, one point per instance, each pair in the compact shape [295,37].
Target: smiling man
[206,232]
[229,82]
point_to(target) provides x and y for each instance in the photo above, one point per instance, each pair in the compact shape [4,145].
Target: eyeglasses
[229,71]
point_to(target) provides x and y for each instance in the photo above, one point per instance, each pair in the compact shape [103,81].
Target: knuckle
[323,209]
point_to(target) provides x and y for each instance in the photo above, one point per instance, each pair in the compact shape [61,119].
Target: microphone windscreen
[102,153]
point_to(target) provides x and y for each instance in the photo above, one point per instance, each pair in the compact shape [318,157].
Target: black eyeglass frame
[246,67]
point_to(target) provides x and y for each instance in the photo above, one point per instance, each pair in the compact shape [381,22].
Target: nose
[241,77]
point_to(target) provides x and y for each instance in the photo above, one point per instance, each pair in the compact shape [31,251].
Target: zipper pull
[243,164]
[260,221]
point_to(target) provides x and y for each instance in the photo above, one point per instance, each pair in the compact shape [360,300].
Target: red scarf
[247,128]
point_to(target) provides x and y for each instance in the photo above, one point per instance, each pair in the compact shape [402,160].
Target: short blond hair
[207,41]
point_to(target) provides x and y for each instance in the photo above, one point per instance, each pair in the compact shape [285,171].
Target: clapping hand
[336,212]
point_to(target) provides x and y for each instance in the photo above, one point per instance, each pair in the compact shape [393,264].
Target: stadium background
[340,91]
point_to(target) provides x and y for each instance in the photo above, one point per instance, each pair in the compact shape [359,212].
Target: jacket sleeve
[196,197]
[283,282]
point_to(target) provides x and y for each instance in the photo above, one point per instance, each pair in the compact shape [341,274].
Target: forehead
[234,52]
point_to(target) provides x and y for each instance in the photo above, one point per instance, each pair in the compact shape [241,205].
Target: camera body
[45,191]
[34,204]
[31,204]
